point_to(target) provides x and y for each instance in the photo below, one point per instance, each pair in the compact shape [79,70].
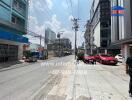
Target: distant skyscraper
[50,36]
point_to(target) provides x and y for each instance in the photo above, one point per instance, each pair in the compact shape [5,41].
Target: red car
[106,59]
[90,59]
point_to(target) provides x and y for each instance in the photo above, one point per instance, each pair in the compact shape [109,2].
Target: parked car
[106,59]
[89,59]
[119,57]
[80,56]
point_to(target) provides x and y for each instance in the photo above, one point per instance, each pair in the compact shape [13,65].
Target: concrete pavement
[64,79]
[99,82]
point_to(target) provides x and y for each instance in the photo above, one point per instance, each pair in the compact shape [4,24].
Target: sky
[57,15]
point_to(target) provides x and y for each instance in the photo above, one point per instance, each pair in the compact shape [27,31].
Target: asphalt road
[64,79]
[24,82]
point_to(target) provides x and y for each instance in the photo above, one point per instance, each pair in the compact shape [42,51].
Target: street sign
[117,11]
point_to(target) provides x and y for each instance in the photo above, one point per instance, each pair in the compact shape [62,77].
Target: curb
[23,65]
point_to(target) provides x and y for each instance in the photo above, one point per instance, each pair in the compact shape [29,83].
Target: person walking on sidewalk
[129,71]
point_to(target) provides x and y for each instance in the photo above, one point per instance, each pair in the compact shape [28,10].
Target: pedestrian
[129,71]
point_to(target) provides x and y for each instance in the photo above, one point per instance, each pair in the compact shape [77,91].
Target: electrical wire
[47,11]
[78,10]
[71,7]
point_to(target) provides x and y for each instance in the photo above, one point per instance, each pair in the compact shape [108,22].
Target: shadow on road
[9,64]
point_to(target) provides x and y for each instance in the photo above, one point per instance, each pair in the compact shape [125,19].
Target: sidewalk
[98,82]
[18,64]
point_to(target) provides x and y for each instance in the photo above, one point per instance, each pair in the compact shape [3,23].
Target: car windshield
[106,55]
[120,55]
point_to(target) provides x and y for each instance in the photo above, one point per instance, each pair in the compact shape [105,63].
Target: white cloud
[36,28]
[64,4]
[70,17]
[71,35]
[40,5]
[54,24]
[49,4]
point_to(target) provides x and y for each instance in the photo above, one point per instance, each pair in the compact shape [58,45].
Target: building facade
[87,36]
[121,26]
[50,36]
[60,46]
[100,26]
[13,25]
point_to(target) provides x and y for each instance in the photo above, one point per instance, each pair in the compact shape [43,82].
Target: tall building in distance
[50,36]
[121,26]
[13,24]
[62,46]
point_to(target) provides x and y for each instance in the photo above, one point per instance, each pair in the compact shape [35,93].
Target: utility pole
[75,27]
[40,40]
[59,37]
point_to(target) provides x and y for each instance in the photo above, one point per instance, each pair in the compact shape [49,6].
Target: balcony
[15,27]
[19,7]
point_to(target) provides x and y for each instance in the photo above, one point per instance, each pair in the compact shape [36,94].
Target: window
[15,4]
[21,7]
[104,35]
[14,19]
[18,5]
[104,43]
[105,24]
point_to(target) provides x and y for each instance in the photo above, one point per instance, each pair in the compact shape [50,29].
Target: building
[60,46]
[13,24]
[87,36]
[50,36]
[99,26]
[121,34]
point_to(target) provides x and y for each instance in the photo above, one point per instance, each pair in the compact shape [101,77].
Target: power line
[71,6]
[71,12]
[78,9]
[47,11]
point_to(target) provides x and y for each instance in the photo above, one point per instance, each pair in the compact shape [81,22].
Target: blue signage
[117,11]
[13,37]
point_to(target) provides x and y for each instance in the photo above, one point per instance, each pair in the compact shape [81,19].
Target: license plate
[112,61]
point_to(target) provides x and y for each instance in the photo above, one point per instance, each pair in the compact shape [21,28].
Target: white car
[119,57]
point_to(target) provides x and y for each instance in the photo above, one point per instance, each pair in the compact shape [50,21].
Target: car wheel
[101,61]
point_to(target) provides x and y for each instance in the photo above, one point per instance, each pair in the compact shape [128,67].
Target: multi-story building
[121,26]
[13,24]
[87,37]
[100,25]
[50,36]
[60,46]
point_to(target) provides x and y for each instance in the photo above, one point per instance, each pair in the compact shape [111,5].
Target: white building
[50,36]
[121,26]
[100,25]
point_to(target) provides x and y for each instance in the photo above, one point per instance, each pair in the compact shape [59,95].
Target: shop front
[11,46]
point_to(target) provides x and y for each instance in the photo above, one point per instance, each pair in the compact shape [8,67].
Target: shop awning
[13,37]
